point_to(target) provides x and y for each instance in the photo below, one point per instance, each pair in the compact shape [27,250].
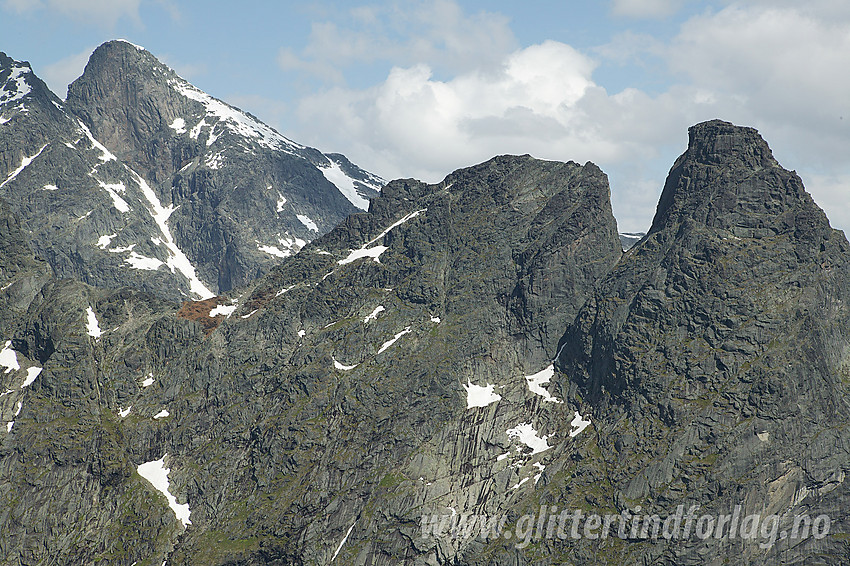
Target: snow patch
[249,314]
[138,261]
[578,424]
[290,246]
[376,252]
[214,161]
[104,241]
[393,340]
[285,290]
[32,373]
[22,88]
[274,250]
[178,125]
[177,259]
[49,188]
[139,47]
[538,475]
[345,538]
[196,130]
[92,327]
[343,367]
[478,396]
[223,310]
[538,380]
[435,319]
[162,414]
[113,189]
[526,434]
[24,163]
[105,154]
[345,184]
[306,221]
[9,358]
[374,314]
[148,381]
[124,412]
[156,473]
[235,120]
[280,202]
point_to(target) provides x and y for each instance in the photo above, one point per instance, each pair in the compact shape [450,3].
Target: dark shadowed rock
[715,356]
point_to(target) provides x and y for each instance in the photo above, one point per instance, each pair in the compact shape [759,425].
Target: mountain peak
[728,179]
[130,43]
[17,84]
[723,143]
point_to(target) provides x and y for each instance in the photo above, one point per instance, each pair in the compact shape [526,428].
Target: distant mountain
[139,171]
[629,239]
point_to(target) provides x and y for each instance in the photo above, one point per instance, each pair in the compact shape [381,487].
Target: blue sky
[422,87]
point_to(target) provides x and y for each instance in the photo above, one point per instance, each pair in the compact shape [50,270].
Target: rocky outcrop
[714,358]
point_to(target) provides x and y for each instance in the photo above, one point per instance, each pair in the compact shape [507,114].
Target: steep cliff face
[715,357]
[87,214]
[253,194]
[182,211]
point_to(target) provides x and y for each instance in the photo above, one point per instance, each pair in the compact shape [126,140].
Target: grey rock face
[253,194]
[154,207]
[83,211]
[310,409]
[714,357]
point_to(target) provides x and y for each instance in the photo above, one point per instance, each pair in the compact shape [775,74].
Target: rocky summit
[140,179]
[436,380]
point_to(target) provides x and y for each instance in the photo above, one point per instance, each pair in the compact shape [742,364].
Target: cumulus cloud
[413,118]
[782,67]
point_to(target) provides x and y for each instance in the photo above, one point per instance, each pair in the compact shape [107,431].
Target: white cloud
[438,32]
[412,118]
[783,71]
[60,74]
[645,8]
[832,193]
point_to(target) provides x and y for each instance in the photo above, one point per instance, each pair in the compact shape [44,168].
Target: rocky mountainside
[478,346]
[716,360]
[629,239]
[125,183]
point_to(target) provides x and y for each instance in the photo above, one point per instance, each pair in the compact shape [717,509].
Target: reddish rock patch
[199,311]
